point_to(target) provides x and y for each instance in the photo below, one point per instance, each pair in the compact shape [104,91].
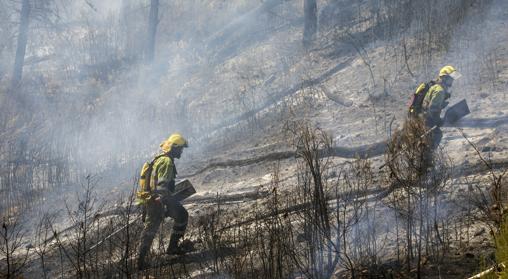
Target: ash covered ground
[251,98]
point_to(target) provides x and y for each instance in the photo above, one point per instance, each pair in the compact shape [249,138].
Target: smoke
[108,108]
[103,111]
[473,49]
[100,110]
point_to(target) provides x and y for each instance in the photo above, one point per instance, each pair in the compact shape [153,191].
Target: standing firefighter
[430,98]
[156,194]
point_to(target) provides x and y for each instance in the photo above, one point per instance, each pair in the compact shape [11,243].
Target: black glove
[445,104]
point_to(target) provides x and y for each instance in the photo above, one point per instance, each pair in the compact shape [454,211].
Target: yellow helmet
[449,71]
[174,140]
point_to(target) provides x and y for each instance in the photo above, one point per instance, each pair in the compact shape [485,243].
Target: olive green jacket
[164,174]
[434,102]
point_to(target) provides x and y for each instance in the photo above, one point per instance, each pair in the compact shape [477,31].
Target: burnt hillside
[299,147]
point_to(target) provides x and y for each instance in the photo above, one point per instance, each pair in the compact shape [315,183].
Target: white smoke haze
[102,111]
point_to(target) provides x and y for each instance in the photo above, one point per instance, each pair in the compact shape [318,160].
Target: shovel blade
[456,112]
[184,189]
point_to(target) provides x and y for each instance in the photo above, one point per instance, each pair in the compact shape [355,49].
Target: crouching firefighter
[157,185]
[430,99]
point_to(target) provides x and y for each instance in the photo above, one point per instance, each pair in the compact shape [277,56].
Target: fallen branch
[363,151]
[495,268]
[337,99]
[376,194]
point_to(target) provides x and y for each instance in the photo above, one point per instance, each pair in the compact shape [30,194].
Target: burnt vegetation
[73,108]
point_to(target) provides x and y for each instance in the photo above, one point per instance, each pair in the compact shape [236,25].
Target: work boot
[143,251]
[173,248]
[185,246]
[141,263]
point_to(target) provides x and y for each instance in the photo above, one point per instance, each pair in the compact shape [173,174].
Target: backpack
[416,102]
[144,191]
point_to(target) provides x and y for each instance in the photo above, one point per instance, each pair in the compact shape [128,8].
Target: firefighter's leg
[175,210]
[437,135]
[433,144]
[154,217]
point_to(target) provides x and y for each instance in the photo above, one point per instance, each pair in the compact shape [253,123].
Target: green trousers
[155,213]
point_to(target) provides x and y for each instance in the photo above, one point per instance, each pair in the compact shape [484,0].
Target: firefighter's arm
[446,96]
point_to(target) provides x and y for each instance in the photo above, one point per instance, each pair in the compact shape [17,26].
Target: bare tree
[81,233]
[43,232]
[153,21]
[21,47]
[490,203]
[310,25]
[417,177]
[11,242]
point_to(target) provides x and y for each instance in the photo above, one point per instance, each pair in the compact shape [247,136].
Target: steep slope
[243,110]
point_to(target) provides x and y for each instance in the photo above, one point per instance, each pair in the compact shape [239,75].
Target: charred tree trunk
[21,47]
[310,25]
[124,27]
[152,30]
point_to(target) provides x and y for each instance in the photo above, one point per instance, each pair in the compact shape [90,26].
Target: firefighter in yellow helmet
[436,99]
[160,203]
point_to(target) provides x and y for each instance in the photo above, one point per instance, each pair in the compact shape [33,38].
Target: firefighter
[436,99]
[160,203]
